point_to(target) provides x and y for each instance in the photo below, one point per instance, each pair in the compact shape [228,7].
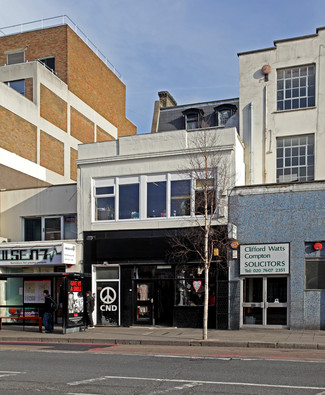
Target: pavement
[170,336]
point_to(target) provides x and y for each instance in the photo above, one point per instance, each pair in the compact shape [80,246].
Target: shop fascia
[257,259]
[38,254]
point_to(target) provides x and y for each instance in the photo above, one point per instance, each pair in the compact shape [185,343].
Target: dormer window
[224,113]
[193,117]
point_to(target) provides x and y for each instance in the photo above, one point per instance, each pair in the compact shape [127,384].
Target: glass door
[144,302]
[265,301]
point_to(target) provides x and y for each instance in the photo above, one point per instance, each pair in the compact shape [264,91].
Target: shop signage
[107,303]
[56,255]
[257,259]
[75,303]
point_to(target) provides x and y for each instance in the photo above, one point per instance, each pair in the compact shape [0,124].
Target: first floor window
[129,201]
[50,228]
[205,196]
[295,158]
[105,203]
[156,199]
[315,274]
[180,200]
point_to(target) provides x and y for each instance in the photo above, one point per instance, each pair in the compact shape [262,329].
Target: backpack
[54,306]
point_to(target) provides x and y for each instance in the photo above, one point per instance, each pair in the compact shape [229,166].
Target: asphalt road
[38,368]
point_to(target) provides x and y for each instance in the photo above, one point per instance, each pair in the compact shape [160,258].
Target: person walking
[48,312]
[90,302]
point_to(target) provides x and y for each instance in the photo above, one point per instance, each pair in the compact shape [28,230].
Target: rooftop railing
[57,21]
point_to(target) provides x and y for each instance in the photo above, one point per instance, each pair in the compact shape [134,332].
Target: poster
[33,290]
[75,303]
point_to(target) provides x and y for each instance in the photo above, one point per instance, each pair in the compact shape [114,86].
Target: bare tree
[209,165]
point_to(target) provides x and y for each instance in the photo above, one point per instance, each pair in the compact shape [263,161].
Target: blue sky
[188,47]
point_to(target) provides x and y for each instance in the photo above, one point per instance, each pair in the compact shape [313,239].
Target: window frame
[42,226]
[224,107]
[143,181]
[305,160]
[319,261]
[289,90]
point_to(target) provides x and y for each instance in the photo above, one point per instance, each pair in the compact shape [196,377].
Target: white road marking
[5,373]
[194,382]
[180,388]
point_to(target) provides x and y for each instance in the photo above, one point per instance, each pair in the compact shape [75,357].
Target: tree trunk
[206,285]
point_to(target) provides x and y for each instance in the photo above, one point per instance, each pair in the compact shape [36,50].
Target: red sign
[75,286]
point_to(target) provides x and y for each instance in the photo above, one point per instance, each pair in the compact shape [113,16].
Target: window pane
[156,199]
[70,227]
[180,198]
[18,86]
[297,163]
[32,229]
[105,190]
[293,79]
[105,209]
[315,274]
[52,228]
[129,201]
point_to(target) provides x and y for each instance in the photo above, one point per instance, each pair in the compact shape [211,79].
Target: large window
[18,85]
[296,87]
[156,199]
[295,158]
[150,196]
[129,201]
[180,199]
[50,228]
[315,274]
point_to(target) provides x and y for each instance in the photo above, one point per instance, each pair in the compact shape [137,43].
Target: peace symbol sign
[107,295]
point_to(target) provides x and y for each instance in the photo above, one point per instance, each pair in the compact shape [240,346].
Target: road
[45,368]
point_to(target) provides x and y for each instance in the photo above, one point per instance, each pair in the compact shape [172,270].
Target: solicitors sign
[47,255]
[257,259]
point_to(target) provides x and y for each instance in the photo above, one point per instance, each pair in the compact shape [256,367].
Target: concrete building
[277,275]
[134,195]
[56,93]
[40,245]
[282,122]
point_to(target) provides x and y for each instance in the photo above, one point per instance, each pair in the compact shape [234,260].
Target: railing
[57,21]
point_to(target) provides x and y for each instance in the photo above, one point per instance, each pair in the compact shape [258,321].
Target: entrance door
[144,302]
[265,301]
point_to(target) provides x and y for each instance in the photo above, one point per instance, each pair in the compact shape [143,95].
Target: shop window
[16,57]
[205,194]
[156,199]
[180,199]
[295,158]
[190,285]
[315,274]
[49,63]
[18,86]
[50,228]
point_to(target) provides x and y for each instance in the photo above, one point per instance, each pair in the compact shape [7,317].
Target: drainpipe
[265,131]
[251,151]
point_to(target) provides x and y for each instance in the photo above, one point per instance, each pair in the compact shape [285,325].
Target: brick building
[56,93]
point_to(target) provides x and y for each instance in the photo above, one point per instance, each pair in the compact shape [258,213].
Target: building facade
[277,274]
[135,195]
[55,93]
[282,120]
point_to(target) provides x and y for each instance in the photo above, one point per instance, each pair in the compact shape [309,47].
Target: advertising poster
[33,290]
[107,303]
[75,303]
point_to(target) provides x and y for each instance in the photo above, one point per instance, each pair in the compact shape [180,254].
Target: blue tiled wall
[284,217]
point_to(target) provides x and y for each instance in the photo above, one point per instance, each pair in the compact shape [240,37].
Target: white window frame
[287,92]
[143,181]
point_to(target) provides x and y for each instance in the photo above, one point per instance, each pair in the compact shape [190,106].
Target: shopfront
[26,270]
[264,272]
